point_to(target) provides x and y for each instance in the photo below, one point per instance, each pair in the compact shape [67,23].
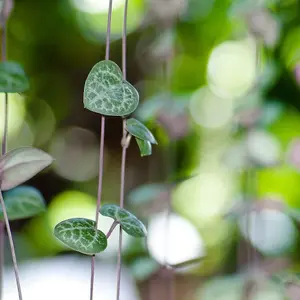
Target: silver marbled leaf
[80,235]
[129,222]
[106,93]
[23,202]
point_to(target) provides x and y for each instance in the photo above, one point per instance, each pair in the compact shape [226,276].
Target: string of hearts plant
[18,165]
[108,93]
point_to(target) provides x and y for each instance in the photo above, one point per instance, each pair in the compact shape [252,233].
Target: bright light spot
[24,138]
[91,17]
[74,204]
[232,287]
[78,145]
[96,6]
[263,148]
[71,204]
[236,156]
[222,288]
[204,197]
[67,277]
[231,69]
[44,122]
[210,111]
[16,113]
[270,231]
[173,240]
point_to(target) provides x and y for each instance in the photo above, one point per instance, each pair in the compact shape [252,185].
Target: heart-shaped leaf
[23,202]
[129,222]
[19,165]
[106,92]
[12,78]
[80,235]
[145,147]
[139,130]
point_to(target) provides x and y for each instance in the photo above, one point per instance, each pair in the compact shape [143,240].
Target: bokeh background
[219,86]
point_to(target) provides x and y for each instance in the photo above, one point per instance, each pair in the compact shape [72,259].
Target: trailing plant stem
[119,264]
[92,277]
[12,248]
[101,163]
[4,147]
[101,154]
[4,138]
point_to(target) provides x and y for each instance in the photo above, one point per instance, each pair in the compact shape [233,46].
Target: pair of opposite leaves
[81,235]
[107,93]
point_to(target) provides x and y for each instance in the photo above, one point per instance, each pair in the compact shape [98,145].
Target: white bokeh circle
[173,240]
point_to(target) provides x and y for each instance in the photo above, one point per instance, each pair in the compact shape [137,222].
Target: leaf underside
[139,130]
[80,235]
[12,78]
[106,93]
[20,165]
[23,202]
[129,222]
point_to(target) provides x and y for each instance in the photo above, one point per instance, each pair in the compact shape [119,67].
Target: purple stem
[124,151]
[101,154]
[4,146]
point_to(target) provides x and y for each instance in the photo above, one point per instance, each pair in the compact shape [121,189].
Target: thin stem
[107,50]
[122,188]
[2,228]
[101,154]
[124,40]
[119,264]
[12,248]
[4,146]
[92,277]
[101,163]
[110,231]
[4,139]
[124,152]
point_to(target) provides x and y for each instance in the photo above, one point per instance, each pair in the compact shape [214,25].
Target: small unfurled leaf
[188,263]
[145,147]
[106,93]
[129,222]
[146,193]
[139,130]
[80,235]
[19,165]
[12,78]
[23,202]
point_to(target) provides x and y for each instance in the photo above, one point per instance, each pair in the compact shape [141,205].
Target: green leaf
[293,213]
[129,222]
[146,193]
[80,235]
[23,202]
[106,93]
[12,78]
[139,130]
[145,147]
[142,268]
[19,165]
